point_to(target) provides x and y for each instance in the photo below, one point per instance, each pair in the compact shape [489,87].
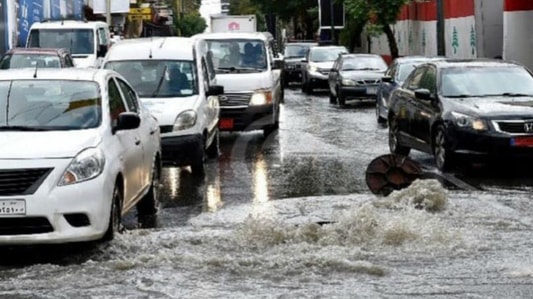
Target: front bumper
[246,118]
[180,150]
[358,92]
[318,79]
[484,146]
[58,214]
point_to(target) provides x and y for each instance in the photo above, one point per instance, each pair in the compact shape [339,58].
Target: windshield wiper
[156,91]
[461,96]
[23,128]
[511,94]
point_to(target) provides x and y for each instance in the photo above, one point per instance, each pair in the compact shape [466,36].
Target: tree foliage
[283,9]
[190,24]
[378,15]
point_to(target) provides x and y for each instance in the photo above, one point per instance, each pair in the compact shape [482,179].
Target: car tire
[198,165]
[267,130]
[394,143]
[115,215]
[148,204]
[380,119]
[443,156]
[214,149]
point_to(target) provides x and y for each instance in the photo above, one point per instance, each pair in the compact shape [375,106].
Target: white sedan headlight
[312,68]
[87,165]
[467,121]
[185,120]
[348,82]
[261,97]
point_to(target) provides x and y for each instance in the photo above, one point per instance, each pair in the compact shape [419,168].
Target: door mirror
[102,51]
[333,70]
[128,121]
[386,79]
[215,90]
[423,94]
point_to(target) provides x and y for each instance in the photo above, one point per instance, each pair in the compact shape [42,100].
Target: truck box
[233,23]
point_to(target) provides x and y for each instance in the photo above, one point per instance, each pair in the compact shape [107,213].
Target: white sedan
[78,152]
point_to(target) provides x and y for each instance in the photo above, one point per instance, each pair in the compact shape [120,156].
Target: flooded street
[290,216]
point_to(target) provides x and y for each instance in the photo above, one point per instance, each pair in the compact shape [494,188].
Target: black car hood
[358,75]
[498,106]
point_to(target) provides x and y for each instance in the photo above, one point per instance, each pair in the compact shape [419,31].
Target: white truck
[233,23]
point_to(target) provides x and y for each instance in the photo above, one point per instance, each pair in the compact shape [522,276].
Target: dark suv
[453,109]
[293,54]
[36,57]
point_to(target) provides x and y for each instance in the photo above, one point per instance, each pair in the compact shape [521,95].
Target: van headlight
[261,97]
[468,121]
[185,120]
[87,165]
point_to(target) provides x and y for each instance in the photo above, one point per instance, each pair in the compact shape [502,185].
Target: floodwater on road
[290,216]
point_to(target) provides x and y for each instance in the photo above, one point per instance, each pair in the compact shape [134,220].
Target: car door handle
[137,141]
[152,131]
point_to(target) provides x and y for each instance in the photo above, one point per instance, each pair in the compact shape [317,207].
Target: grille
[22,181]
[229,100]
[516,127]
[25,226]
[368,81]
[166,129]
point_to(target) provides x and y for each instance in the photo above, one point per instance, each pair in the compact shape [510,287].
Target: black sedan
[355,77]
[478,109]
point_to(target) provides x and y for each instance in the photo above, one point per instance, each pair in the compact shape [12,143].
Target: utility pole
[332,17]
[441,40]
[108,12]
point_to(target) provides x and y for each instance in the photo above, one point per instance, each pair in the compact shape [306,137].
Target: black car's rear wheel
[394,142]
[441,150]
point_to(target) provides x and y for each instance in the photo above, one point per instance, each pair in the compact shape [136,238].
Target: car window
[391,71]
[158,78]
[429,79]
[50,104]
[68,61]
[77,41]
[102,37]
[240,55]
[413,81]
[129,96]
[116,104]
[323,54]
[364,63]
[24,60]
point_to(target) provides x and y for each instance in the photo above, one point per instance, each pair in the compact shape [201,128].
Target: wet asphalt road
[320,149]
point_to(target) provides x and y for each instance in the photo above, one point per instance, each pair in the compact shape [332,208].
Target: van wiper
[156,91]
[23,128]
[461,96]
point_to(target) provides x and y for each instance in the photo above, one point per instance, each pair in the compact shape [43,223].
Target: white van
[87,42]
[248,66]
[173,79]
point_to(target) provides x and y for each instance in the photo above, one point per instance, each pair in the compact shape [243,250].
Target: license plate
[371,90]
[226,123]
[13,207]
[522,141]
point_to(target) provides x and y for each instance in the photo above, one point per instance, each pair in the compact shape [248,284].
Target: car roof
[85,74]
[416,58]
[68,24]
[478,62]
[46,51]
[360,55]
[179,48]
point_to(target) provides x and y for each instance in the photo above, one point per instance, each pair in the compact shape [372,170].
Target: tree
[190,24]
[378,15]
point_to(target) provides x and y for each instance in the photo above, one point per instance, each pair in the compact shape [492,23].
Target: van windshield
[238,55]
[158,78]
[80,42]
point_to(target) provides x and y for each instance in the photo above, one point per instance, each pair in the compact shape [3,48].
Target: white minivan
[87,41]
[248,66]
[173,79]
